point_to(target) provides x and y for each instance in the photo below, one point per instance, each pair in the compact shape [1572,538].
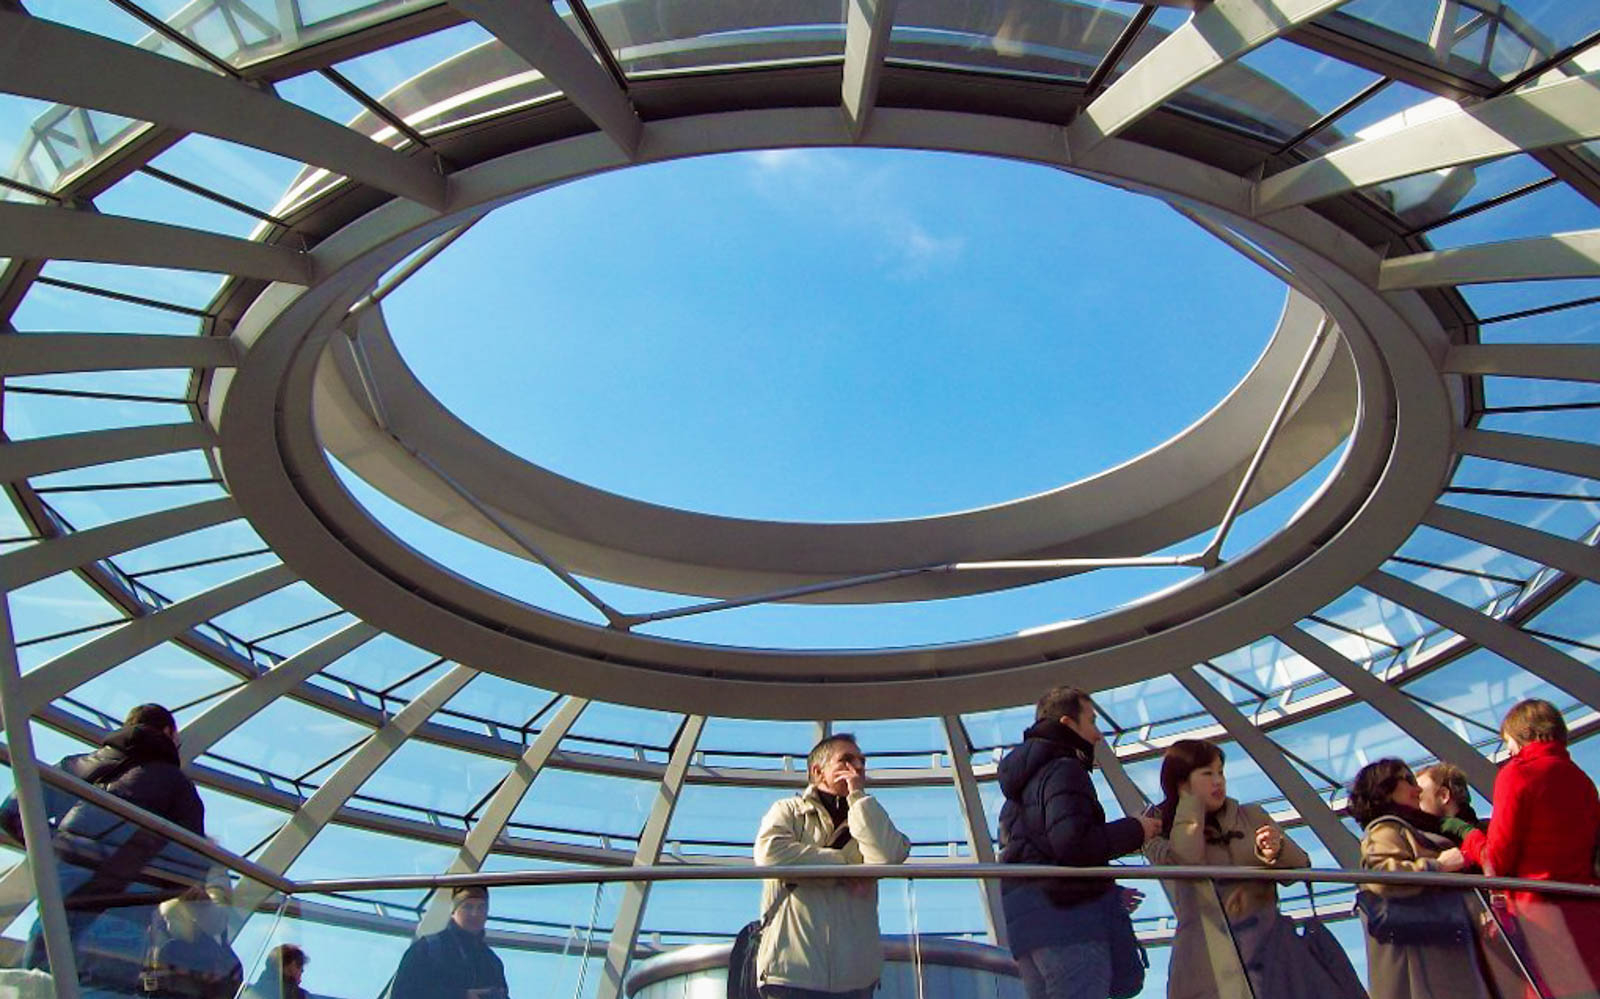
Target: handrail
[695,872]
[101,798]
[729,872]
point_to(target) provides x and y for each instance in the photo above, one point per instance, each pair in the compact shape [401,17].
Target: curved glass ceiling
[834,334]
[146,548]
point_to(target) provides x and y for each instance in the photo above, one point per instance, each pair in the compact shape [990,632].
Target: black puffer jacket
[1052,815]
[139,765]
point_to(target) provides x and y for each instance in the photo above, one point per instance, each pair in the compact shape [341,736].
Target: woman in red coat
[1545,823]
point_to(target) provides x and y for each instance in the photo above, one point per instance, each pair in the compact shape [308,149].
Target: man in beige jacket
[823,939]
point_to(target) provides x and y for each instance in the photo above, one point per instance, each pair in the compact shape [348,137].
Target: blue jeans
[1079,970]
[791,992]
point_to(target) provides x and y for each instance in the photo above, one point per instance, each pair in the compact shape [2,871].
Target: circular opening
[833,335]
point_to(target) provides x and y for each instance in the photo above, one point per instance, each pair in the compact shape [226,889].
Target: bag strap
[788,887]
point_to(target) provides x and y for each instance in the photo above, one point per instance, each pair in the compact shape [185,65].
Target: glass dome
[395,646]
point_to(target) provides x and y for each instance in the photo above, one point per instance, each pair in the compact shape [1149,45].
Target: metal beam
[71,670]
[1563,255]
[625,931]
[977,823]
[295,835]
[1410,716]
[51,62]
[535,32]
[1573,362]
[36,562]
[1215,36]
[1572,557]
[485,832]
[44,232]
[40,867]
[21,460]
[1556,114]
[1548,453]
[237,707]
[866,39]
[1507,641]
[1313,810]
[52,353]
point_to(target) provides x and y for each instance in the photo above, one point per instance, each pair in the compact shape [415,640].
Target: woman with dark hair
[1200,824]
[1545,825]
[1400,836]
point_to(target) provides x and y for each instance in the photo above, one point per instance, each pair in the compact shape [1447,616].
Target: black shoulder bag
[743,976]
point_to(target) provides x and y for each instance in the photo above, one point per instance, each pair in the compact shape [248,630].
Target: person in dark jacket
[456,962]
[280,975]
[1058,928]
[103,857]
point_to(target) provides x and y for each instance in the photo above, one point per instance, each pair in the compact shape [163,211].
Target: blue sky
[833,334]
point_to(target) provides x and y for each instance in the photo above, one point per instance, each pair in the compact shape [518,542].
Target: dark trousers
[791,992]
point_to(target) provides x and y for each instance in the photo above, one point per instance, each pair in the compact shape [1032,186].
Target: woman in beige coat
[1226,926]
[1400,836]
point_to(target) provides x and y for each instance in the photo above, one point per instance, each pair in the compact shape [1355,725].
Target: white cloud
[860,200]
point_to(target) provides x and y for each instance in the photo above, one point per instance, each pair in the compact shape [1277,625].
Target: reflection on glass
[1054,38]
[647,36]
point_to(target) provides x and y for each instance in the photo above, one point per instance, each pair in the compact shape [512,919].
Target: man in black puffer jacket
[1058,928]
[103,856]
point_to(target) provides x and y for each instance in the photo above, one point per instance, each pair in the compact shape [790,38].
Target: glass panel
[566,806]
[340,851]
[441,79]
[83,498]
[1150,709]
[1562,505]
[1276,91]
[49,308]
[187,289]
[142,196]
[712,820]
[616,730]
[1557,208]
[105,19]
[488,702]
[30,415]
[1463,570]
[46,145]
[251,31]
[52,607]
[645,37]
[1473,693]
[1474,184]
[179,675]
[1330,748]
[169,566]
[1478,39]
[1393,107]
[1515,296]
[258,750]
[763,745]
[1575,325]
[373,666]
[1055,38]
[431,783]
[929,816]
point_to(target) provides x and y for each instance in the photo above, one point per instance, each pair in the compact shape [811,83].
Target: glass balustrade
[153,910]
